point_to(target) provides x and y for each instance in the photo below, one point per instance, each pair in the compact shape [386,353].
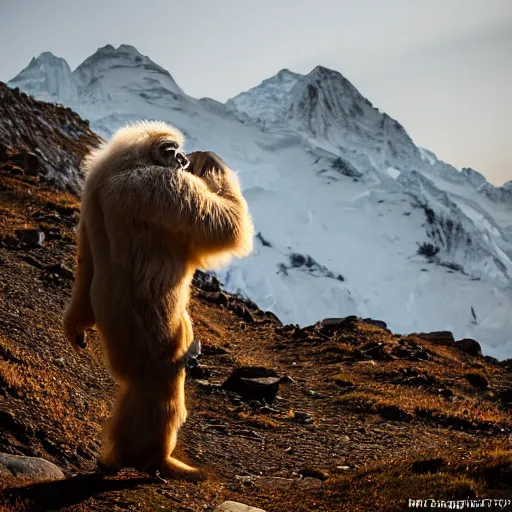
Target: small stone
[254,383]
[302,417]
[235,506]
[445,392]
[199,371]
[314,473]
[31,237]
[31,467]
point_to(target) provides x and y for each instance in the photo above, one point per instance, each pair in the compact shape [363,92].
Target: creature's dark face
[168,154]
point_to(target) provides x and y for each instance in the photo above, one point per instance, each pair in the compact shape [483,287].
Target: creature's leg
[165,464]
[143,430]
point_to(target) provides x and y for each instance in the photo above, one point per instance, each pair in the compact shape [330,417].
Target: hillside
[353,217]
[363,419]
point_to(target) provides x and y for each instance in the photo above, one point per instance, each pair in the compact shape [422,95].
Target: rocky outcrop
[42,139]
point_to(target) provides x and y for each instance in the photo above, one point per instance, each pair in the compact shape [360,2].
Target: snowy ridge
[353,217]
[48,78]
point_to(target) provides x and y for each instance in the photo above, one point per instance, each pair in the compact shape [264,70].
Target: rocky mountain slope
[353,217]
[42,139]
[353,417]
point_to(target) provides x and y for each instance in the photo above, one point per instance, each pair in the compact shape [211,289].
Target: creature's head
[166,151]
[142,143]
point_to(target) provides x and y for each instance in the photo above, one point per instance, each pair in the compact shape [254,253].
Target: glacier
[343,201]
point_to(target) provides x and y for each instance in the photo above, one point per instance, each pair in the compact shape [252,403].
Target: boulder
[437,337]
[376,323]
[31,467]
[329,325]
[469,346]
[253,383]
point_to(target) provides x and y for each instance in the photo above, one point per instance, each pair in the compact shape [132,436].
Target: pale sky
[442,68]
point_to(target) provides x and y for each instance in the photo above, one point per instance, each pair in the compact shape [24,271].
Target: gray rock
[437,337]
[254,383]
[31,237]
[234,506]
[302,417]
[31,467]
[471,347]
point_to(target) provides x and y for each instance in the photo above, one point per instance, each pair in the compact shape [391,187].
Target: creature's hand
[80,339]
[74,331]
[202,162]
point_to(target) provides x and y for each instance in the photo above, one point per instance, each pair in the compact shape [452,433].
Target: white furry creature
[149,217]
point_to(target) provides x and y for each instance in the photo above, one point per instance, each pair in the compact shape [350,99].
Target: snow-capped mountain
[352,217]
[48,78]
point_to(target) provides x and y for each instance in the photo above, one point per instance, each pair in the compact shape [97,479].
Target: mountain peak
[110,60]
[325,77]
[322,70]
[286,73]
[123,48]
[265,102]
[47,77]
[48,57]
[128,48]
[45,58]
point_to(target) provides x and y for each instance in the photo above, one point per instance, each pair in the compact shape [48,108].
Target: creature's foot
[174,468]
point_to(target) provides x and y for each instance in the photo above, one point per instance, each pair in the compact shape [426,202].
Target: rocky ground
[342,415]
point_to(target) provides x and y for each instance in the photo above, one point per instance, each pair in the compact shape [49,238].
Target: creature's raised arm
[209,211]
[79,314]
